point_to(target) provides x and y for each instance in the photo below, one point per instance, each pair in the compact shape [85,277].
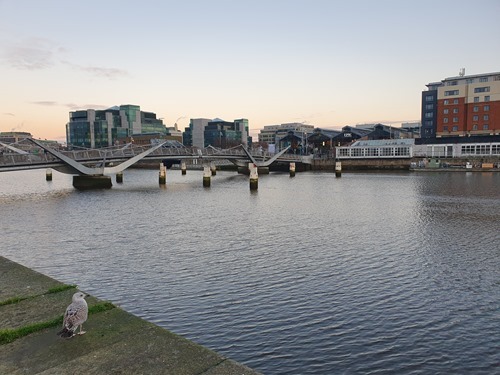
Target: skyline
[323,63]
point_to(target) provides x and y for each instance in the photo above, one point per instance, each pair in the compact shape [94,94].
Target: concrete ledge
[115,342]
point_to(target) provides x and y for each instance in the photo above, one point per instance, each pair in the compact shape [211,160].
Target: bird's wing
[75,315]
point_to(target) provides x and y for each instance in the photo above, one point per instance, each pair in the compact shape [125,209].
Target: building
[462,106]
[276,134]
[204,132]
[13,137]
[194,134]
[102,128]
[412,128]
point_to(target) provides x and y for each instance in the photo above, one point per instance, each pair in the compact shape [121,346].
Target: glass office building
[102,128]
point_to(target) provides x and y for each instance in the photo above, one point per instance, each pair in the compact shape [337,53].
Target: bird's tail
[65,332]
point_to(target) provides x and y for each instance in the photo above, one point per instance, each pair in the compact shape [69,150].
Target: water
[371,273]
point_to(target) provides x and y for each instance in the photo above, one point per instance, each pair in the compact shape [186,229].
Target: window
[476,99]
[476,108]
[482,89]
[455,101]
[445,111]
[446,102]
[483,79]
[455,110]
[475,118]
[455,128]
[428,114]
[487,98]
[386,151]
[429,106]
[474,127]
[486,108]
[455,119]
[445,120]
[445,128]
[451,92]
[470,80]
[429,123]
[429,98]
[486,117]
[344,152]
[485,127]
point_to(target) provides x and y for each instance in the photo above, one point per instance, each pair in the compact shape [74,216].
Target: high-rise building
[462,106]
[203,132]
[101,128]
[194,133]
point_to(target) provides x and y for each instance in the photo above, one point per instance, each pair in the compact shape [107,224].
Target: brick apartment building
[463,106]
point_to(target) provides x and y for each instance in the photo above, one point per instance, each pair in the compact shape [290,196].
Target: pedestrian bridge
[32,154]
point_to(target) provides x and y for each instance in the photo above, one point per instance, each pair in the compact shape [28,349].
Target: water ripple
[370,273]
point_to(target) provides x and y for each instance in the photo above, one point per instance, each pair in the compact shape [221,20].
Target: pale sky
[324,63]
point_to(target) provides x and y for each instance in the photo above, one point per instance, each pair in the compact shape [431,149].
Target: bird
[75,315]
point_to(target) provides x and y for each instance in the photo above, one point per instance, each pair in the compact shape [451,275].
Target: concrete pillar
[338,169]
[254,176]
[183,167]
[207,176]
[292,169]
[162,179]
[48,174]
[119,177]
[92,182]
[263,170]
[213,168]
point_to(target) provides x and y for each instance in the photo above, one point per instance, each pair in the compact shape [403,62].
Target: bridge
[33,154]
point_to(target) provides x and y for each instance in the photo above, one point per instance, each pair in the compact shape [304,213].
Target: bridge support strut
[92,182]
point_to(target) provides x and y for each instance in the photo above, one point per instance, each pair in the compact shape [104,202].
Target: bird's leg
[81,332]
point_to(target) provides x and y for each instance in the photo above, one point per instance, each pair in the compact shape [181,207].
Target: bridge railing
[37,156]
[18,159]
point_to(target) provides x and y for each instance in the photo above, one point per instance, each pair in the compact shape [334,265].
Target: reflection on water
[379,272]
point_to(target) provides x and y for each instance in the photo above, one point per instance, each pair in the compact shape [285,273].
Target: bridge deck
[36,157]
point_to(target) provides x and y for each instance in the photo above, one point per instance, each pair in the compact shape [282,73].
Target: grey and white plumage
[75,315]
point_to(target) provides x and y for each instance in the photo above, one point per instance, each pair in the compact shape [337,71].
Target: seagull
[75,315]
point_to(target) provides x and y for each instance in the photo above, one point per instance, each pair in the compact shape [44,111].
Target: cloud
[8,114]
[29,54]
[110,73]
[38,53]
[71,106]
[46,103]
[85,106]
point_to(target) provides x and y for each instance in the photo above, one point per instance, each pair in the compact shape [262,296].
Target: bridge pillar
[84,182]
[263,170]
[119,177]
[254,176]
[338,169]
[292,169]
[183,167]
[207,175]
[162,178]
[48,175]
[213,168]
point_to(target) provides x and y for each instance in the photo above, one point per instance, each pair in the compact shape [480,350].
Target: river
[368,273]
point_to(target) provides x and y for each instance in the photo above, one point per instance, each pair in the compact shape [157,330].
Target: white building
[271,133]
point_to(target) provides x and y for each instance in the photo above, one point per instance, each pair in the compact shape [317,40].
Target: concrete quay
[116,342]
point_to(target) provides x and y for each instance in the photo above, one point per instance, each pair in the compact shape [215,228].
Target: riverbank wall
[362,164]
[478,163]
[31,309]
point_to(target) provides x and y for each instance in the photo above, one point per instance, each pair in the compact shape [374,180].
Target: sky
[325,63]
